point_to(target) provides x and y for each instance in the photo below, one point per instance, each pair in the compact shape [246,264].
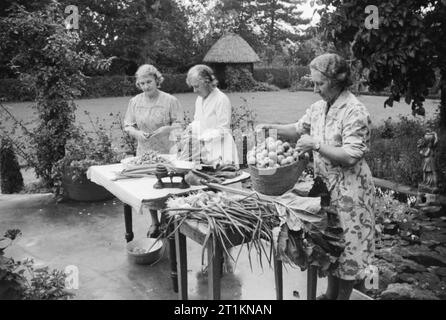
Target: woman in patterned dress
[337,131]
[146,113]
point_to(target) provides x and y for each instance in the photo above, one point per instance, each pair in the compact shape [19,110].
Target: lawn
[271,107]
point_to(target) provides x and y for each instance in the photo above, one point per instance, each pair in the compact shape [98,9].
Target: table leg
[173,258]
[311,283]
[181,257]
[128,223]
[278,277]
[214,269]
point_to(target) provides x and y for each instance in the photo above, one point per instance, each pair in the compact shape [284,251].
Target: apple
[272,146]
[280,150]
[290,159]
[272,155]
[269,140]
[286,146]
[252,161]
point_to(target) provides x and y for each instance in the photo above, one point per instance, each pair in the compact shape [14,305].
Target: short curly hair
[149,70]
[333,67]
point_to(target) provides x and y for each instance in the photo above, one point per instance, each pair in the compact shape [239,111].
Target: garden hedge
[115,86]
[96,87]
[280,77]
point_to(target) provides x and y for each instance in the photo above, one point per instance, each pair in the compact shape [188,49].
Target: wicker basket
[276,181]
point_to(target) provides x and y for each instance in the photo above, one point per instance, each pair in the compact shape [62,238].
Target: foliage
[280,77]
[265,87]
[85,149]
[136,32]
[45,56]
[402,53]
[274,15]
[243,117]
[239,79]
[128,143]
[238,17]
[304,82]
[95,87]
[393,152]
[11,177]
[21,280]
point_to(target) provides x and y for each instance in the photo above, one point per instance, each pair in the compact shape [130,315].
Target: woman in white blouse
[212,118]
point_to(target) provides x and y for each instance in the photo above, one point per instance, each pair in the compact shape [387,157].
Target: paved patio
[91,237]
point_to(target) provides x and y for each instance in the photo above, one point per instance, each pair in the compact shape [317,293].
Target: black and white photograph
[244,151]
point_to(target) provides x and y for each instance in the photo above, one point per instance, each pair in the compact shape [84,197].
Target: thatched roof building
[230,50]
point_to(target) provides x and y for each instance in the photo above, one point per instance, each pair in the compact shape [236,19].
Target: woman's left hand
[306,143]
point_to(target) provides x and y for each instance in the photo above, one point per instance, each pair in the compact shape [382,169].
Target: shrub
[394,155]
[14,90]
[175,83]
[11,178]
[21,280]
[84,150]
[263,86]
[95,87]
[277,76]
[303,83]
[54,74]
[239,79]
[281,77]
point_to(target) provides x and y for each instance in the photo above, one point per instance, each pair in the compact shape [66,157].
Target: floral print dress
[347,125]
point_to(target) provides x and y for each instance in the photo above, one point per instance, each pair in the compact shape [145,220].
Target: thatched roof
[231,48]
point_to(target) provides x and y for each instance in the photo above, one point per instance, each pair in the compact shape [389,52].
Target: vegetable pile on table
[301,238]
[249,217]
[148,158]
[142,166]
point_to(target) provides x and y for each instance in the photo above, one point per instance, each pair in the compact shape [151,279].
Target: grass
[271,107]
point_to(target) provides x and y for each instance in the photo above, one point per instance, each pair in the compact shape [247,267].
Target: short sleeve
[356,132]
[129,118]
[303,126]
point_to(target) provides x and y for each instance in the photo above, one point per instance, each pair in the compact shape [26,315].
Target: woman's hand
[306,143]
[141,135]
[262,126]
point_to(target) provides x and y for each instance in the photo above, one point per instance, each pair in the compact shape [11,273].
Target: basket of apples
[275,166]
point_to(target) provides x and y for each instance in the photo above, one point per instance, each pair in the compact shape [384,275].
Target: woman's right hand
[141,135]
[263,126]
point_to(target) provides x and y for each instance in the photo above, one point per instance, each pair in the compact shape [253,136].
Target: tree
[10,176]
[280,19]
[136,32]
[46,58]
[403,53]
[238,17]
